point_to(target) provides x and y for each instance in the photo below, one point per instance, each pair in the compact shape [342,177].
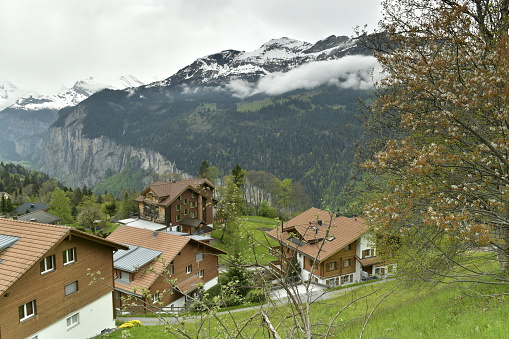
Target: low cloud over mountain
[356,72]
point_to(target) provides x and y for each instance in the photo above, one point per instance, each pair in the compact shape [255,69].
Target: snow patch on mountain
[10,92]
[278,65]
[81,90]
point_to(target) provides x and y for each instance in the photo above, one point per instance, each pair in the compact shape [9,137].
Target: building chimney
[154,234]
[319,221]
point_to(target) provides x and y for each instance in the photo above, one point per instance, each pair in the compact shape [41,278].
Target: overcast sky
[48,44]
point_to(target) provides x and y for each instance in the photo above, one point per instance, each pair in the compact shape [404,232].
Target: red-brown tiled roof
[319,241]
[171,190]
[35,240]
[169,244]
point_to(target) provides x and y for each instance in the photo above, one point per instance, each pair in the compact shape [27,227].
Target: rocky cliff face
[66,154]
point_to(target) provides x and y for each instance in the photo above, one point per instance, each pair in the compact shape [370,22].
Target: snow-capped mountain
[81,90]
[276,55]
[10,92]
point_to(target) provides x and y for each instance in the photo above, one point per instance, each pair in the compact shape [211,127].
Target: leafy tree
[229,208]
[265,210]
[61,206]
[128,206]
[109,208]
[258,187]
[441,160]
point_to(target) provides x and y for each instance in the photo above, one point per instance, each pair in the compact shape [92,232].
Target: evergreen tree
[239,176]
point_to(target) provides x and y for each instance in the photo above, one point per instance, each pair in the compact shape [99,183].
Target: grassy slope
[406,313]
[252,239]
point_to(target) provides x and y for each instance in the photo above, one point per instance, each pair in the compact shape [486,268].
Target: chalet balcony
[276,267]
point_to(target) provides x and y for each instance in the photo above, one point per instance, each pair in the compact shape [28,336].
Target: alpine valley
[287,108]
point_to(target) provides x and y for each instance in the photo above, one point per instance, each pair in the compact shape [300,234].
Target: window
[367,253]
[69,255]
[125,276]
[73,321]
[186,211]
[155,298]
[180,197]
[186,201]
[345,279]
[27,310]
[346,262]
[189,269]
[332,266]
[170,270]
[177,207]
[348,247]
[48,264]
[178,218]
[192,214]
[192,194]
[200,273]
[71,288]
[199,256]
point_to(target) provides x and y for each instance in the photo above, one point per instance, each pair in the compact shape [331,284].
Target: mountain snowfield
[25,99]
[10,92]
[281,65]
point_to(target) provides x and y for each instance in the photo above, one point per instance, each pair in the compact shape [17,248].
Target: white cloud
[359,72]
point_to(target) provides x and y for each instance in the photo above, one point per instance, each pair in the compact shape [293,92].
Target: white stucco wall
[92,319]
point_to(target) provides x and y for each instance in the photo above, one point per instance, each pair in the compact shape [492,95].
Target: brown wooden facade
[194,201]
[48,289]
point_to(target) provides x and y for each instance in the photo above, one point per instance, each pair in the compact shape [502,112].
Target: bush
[256,296]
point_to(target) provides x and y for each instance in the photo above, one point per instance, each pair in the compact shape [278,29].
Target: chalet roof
[191,222]
[40,216]
[369,261]
[319,234]
[135,257]
[35,240]
[168,244]
[31,206]
[172,190]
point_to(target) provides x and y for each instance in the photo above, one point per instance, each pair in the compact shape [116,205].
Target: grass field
[398,312]
[252,241]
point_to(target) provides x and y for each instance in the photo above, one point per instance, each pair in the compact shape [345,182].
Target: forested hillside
[308,136]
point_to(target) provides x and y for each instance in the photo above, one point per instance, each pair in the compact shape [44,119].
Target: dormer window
[125,277]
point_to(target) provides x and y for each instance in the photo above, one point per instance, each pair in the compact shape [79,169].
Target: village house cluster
[157,261]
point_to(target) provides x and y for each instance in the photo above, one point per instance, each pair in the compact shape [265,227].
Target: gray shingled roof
[134,258]
[40,216]
[31,206]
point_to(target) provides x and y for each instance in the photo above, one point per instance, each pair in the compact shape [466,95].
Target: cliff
[66,154]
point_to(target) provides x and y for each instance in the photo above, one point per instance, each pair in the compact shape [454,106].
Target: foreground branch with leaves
[441,155]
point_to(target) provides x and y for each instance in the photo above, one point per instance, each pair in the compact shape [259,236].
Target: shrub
[256,296]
